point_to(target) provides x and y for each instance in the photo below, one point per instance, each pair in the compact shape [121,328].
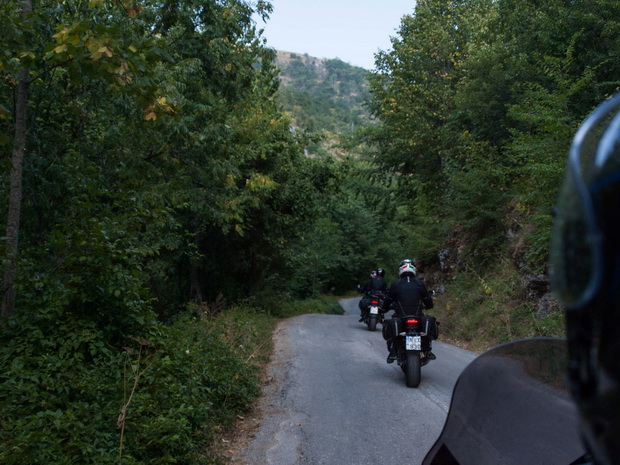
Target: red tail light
[411,321]
[374,302]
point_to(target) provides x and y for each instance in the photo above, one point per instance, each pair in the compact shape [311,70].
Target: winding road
[332,398]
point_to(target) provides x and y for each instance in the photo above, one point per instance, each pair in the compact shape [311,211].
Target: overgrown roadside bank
[479,310]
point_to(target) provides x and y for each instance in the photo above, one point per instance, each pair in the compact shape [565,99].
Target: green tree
[414,95]
[67,48]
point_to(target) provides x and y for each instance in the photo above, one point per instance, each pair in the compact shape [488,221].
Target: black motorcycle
[412,345]
[510,406]
[373,315]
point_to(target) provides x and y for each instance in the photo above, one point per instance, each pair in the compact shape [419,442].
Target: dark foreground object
[511,406]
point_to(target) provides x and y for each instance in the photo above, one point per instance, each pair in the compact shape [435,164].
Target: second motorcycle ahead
[374,315]
[374,291]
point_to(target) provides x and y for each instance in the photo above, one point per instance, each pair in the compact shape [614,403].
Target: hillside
[323,96]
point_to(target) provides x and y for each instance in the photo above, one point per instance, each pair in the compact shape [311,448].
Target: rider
[382,286]
[376,284]
[407,296]
[585,276]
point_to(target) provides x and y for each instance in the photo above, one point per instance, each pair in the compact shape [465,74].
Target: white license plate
[413,342]
[374,310]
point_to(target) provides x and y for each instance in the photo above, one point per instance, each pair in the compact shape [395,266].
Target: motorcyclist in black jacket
[375,285]
[407,296]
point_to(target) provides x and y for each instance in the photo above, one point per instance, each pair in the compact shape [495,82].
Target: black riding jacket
[408,296]
[374,285]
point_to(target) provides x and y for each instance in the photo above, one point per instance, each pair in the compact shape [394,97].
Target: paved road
[333,399]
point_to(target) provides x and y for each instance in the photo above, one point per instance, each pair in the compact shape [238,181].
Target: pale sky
[352,30]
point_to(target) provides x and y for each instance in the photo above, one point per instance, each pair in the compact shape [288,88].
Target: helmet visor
[576,249]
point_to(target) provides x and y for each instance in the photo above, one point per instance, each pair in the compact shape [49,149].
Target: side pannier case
[430,326]
[391,328]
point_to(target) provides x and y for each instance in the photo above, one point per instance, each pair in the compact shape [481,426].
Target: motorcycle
[412,345]
[511,406]
[373,315]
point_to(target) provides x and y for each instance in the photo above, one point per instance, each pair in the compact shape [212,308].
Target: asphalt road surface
[332,398]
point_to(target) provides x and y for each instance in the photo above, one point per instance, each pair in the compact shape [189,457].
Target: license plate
[413,342]
[374,310]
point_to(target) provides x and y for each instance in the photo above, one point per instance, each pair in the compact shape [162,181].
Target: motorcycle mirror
[511,406]
[432,293]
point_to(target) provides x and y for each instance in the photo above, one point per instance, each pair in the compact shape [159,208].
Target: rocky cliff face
[285,60]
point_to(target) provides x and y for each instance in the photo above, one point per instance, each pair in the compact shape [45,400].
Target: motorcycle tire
[413,372]
[372,322]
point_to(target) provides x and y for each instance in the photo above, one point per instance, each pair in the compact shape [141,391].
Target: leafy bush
[69,397]
[58,394]
[189,390]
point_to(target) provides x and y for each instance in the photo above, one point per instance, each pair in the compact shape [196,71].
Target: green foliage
[58,394]
[360,227]
[283,306]
[190,390]
[477,104]
[61,396]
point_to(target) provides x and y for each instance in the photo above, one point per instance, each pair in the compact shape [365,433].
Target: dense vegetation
[146,166]
[477,103]
[161,214]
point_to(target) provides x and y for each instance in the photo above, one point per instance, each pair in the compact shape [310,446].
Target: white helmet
[406,266]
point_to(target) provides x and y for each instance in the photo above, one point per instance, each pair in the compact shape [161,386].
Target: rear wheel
[413,373]
[372,322]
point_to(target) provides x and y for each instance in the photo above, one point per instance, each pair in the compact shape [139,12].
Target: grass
[480,311]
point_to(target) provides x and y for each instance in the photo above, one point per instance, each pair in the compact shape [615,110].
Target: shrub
[61,394]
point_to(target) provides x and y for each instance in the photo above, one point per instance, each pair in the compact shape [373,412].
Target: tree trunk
[15,189]
[196,275]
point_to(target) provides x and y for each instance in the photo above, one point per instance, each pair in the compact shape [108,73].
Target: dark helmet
[585,276]
[380,272]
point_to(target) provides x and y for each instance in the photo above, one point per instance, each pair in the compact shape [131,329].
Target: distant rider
[381,285]
[407,296]
[374,286]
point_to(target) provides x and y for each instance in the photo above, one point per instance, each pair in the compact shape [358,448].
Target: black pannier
[430,326]
[392,327]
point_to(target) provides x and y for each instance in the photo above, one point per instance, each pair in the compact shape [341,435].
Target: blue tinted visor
[576,259]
